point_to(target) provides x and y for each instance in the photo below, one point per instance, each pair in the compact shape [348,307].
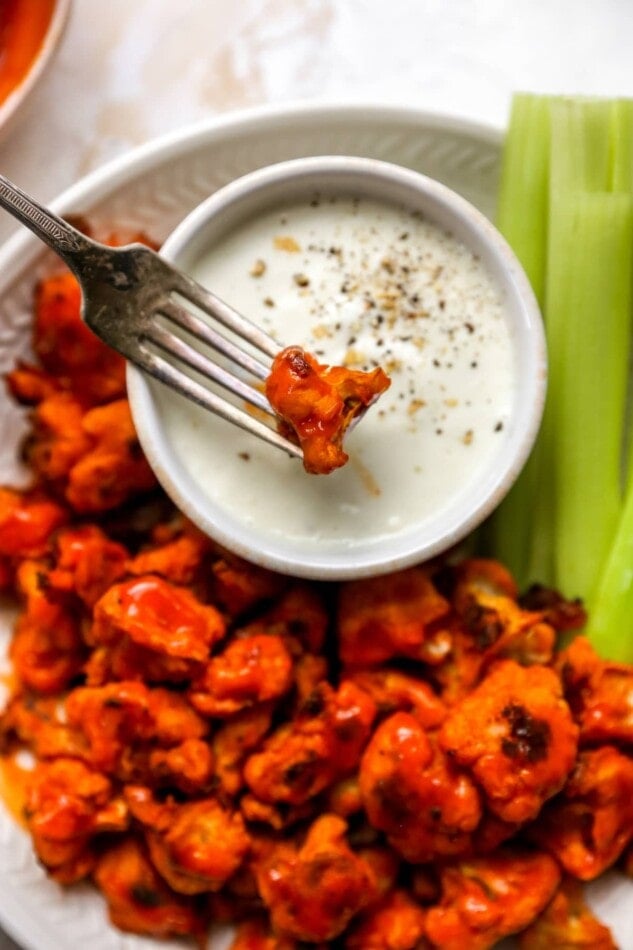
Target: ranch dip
[359,283]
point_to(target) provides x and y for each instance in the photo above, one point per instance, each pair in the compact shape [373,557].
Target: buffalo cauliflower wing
[515,735]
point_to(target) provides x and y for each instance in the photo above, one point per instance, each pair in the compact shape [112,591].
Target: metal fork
[138,304]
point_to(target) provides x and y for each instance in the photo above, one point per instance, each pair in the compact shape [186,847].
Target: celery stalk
[522,211]
[622,180]
[567,184]
[592,273]
[611,609]
[574,163]
[581,152]
[522,219]
[609,627]
[555,146]
[580,163]
[621,177]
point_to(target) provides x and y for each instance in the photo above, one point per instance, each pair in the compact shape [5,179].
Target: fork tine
[162,370]
[207,334]
[123,289]
[196,294]
[173,345]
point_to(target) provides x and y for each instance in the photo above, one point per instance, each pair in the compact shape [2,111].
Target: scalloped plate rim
[96,184]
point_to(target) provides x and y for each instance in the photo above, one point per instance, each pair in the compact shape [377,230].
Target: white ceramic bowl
[243,200]
[13,104]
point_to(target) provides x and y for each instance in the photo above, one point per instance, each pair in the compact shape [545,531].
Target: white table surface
[129,70]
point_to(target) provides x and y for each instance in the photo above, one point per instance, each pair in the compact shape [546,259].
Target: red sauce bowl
[30,32]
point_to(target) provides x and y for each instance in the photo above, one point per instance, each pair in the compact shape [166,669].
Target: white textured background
[129,70]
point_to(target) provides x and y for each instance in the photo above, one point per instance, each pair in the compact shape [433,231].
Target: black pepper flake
[436,363]
[442,304]
[474,364]
[499,427]
[439,431]
[245,456]
[351,341]
[470,326]
[269,302]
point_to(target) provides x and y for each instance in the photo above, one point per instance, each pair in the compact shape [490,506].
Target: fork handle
[62,237]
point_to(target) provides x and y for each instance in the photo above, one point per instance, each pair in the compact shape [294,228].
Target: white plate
[153,188]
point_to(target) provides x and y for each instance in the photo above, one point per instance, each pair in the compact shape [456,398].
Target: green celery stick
[581,152]
[522,210]
[522,219]
[621,177]
[622,180]
[562,157]
[562,145]
[611,616]
[611,613]
[590,274]
[580,161]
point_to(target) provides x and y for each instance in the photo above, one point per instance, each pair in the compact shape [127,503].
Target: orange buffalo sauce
[13,782]
[23,26]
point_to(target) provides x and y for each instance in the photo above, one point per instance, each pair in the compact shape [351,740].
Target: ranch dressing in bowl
[362,280]
[363,284]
